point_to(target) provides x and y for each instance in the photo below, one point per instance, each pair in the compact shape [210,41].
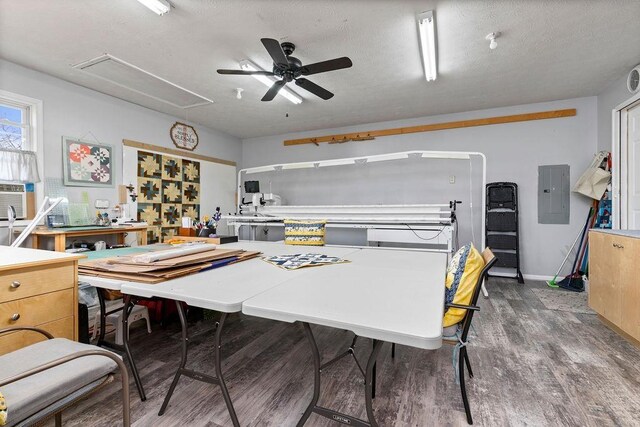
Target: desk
[60,234]
[223,290]
[387,295]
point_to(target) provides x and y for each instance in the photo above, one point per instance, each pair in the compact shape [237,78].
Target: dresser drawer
[30,281]
[61,328]
[38,309]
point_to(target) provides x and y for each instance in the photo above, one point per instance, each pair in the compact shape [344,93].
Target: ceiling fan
[288,68]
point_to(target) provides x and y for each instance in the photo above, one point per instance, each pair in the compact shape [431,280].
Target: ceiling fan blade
[314,88]
[324,66]
[246,72]
[275,51]
[273,90]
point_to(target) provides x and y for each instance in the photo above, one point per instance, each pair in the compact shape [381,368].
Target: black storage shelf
[501,225]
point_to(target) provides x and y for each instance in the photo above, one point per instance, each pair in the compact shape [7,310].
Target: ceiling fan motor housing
[294,68]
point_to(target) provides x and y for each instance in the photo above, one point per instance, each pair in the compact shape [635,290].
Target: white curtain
[18,166]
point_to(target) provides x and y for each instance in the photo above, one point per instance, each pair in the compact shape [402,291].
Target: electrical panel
[553,194]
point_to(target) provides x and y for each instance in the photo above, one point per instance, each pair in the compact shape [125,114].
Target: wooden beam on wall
[181,153]
[366,135]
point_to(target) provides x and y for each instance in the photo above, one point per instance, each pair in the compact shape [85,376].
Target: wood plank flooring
[533,367]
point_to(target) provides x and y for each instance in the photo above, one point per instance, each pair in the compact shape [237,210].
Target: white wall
[612,96]
[514,151]
[72,110]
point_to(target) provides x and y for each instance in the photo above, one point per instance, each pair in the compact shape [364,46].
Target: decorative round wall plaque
[184,136]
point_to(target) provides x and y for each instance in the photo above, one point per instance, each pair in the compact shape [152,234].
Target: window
[21,139]
[15,126]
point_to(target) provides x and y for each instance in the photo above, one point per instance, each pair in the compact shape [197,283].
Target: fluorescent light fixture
[427,29]
[157,6]
[268,81]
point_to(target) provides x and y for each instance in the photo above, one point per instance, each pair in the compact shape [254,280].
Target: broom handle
[569,253]
[583,249]
[583,235]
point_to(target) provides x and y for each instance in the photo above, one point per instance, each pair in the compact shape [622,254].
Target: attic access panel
[553,194]
[135,79]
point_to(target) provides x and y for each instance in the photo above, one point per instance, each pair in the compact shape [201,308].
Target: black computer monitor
[252,186]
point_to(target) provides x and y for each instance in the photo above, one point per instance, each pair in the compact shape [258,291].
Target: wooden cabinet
[614,280]
[40,289]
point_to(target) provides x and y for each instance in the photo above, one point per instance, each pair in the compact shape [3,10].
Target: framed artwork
[87,163]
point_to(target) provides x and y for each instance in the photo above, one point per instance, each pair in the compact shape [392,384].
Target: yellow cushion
[3,411]
[307,233]
[462,274]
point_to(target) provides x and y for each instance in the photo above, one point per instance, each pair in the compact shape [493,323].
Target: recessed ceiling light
[158,6]
[427,30]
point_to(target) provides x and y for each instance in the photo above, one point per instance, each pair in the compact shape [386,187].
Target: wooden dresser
[614,279]
[37,288]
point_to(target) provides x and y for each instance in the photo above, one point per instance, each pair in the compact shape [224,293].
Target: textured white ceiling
[548,50]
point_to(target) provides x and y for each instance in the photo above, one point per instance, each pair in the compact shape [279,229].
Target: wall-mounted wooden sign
[184,136]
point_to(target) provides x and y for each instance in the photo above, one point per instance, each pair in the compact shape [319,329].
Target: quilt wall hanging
[168,189]
[87,163]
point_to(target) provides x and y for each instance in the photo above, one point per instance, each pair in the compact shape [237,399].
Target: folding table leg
[183,358]
[369,381]
[329,413]
[221,382]
[316,371]
[103,317]
[126,312]
[199,376]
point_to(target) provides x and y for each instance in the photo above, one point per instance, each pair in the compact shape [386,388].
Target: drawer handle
[619,246]
[15,284]
[15,317]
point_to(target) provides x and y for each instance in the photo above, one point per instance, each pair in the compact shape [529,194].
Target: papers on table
[296,261]
[163,265]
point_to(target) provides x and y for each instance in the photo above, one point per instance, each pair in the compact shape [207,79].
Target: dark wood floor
[533,366]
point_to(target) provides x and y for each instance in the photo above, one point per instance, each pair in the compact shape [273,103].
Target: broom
[573,282]
[552,283]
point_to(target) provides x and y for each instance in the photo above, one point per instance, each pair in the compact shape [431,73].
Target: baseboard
[526,276]
[619,331]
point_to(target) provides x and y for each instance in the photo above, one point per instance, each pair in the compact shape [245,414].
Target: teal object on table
[94,255]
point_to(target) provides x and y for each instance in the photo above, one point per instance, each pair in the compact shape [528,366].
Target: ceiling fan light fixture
[427,30]
[268,81]
[157,6]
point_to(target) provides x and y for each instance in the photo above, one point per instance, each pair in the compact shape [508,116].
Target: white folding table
[223,289]
[388,295]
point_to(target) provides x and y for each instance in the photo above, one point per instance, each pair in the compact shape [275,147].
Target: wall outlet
[452,179]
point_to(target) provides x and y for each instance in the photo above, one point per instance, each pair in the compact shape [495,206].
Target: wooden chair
[460,339]
[49,376]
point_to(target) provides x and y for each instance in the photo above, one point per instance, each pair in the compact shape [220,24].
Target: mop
[552,283]
[573,282]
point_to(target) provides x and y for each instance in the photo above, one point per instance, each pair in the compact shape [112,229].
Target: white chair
[138,312]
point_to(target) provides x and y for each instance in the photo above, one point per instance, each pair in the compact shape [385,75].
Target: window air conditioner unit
[13,195]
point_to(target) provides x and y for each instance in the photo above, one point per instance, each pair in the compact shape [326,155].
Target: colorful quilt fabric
[307,233]
[3,411]
[88,164]
[168,189]
[294,262]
